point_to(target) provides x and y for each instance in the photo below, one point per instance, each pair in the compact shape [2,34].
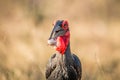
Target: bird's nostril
[56,31]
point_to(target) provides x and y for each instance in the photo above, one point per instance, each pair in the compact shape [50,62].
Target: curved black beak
[57,30]
[51,35]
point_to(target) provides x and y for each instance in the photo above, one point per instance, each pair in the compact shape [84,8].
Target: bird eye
[65,25]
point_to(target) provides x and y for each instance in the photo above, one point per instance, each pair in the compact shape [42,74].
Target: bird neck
[65,58]
[62,44]
[67,42]
[67,51]
[68,55]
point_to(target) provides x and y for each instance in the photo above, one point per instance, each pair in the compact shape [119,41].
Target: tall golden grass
[25,26]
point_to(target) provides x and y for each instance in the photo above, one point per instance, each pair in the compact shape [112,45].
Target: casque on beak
[57,31]
[60,28]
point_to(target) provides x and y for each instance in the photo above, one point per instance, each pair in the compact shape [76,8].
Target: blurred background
[25,26]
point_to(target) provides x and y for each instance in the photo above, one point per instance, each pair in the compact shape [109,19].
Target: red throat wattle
[62,43]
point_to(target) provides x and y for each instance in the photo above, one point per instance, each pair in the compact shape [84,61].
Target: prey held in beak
[52,42]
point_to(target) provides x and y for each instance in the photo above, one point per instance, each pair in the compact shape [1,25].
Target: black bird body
[65,66]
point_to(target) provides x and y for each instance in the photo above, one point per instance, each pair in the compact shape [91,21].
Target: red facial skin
[62,42]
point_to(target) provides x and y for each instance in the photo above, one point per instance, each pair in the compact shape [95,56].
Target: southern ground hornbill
[63,65]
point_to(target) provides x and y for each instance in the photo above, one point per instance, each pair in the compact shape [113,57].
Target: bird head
[60,29]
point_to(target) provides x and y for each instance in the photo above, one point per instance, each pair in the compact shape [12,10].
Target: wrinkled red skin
[62,42]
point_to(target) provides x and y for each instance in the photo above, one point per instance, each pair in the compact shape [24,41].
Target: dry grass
[23,39]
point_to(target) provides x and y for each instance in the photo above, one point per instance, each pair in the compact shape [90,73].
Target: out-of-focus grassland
[25,26]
